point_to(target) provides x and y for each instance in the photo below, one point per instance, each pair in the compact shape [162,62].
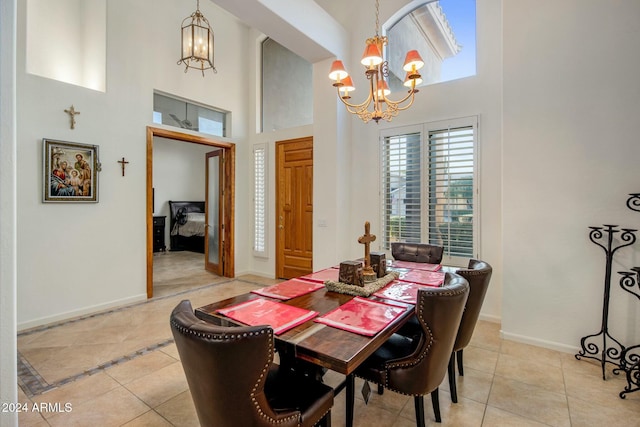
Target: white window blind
[451,190]
[260,200]
[429,187]
[401,188]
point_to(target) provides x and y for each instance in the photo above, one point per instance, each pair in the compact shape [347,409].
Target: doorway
[294,207]
[226,212]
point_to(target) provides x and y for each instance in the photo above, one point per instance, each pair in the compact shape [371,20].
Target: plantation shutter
[401,188]
[451,190]
[260,200]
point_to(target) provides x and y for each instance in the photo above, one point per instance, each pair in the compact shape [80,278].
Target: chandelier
[377,70]
[197,42]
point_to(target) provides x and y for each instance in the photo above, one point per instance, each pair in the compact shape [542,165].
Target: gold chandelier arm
[365,104]
[411,95]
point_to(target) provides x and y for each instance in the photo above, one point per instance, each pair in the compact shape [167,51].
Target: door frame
[209,266]
[228,215]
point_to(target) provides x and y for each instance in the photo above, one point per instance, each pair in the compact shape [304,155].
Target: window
[287,88]
[67,41]
[444,32]
[176,112]
[429,183]
[260,200]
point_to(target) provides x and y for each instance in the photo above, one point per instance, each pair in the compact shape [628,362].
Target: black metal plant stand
[611,350]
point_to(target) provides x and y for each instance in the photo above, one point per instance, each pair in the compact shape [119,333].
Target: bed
[187,225]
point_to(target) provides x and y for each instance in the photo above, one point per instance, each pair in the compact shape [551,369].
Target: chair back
[478,275]
[226,368]
[417,252]
[438,311]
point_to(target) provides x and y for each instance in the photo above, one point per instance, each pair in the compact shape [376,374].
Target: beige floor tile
[589,414]
[531,372]
[171,350]
[159,386]
[464,413]
[494,417]
[27,416]
[486,335]
[179,411]
[149,419]
[529,402]
[480,359]
[590,387]
[114,408]
[78,392]
[530,352]
[140,366]
[474,385]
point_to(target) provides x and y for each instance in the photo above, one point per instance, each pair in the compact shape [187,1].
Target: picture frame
[70,172]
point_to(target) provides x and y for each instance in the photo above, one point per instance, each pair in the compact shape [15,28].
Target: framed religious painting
[70,172]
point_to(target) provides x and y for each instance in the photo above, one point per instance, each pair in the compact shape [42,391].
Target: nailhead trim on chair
[226,336]
[424,354]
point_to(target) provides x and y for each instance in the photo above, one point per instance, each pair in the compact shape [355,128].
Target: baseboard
[490,318]
[81,312]
[551,345]
[254,273]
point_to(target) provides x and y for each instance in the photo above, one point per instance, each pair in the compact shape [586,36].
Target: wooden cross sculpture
[72,115]
[366,239]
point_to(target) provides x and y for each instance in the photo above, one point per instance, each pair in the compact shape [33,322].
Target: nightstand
[158,234]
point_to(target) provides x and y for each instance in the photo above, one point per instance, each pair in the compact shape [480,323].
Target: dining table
[315,344]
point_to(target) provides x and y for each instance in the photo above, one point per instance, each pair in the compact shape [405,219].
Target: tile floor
[120,368]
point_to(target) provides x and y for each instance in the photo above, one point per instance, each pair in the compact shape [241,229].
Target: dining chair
[417,366]
[417,252]
[478,274]
[234,382]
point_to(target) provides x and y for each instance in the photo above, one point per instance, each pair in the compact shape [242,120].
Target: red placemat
[289,289]
[362,316]
[281,317]
[406,292]
[322,275]
[432,278]
[415,265]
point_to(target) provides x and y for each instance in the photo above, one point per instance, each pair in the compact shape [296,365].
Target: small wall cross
[72,115]
[123,162]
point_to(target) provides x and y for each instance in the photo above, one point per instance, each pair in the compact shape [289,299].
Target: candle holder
[610,350]
[630,357]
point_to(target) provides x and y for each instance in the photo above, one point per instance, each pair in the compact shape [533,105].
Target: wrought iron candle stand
[608,352]
[630,357]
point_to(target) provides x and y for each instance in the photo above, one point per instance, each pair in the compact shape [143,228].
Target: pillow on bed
[195,216]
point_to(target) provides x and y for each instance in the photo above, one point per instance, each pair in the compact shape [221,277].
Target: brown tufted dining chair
[234,382]
[478,275]
[416,366]
[417,252]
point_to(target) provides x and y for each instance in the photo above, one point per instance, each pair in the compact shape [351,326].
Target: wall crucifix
[123,163]
[72,115]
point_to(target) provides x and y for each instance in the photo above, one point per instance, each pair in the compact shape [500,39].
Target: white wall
[8,207]
[571,109]
[65,271]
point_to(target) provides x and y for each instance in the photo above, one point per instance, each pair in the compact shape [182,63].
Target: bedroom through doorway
[195,232]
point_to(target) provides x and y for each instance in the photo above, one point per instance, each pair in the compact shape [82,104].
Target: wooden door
[213,208]
[294,207]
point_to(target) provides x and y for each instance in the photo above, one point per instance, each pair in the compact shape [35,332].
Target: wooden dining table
[313,345]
